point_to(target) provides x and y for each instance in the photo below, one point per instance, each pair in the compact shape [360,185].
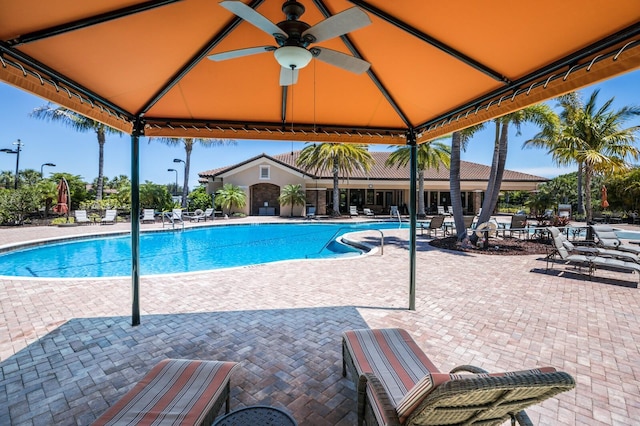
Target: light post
[176,190]
[177,160]
[42,168]
[17,152]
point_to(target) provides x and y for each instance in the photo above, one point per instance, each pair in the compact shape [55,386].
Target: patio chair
[468,222]
[441,211]
[311,212]
[606,237]
[353,211]
[518,224]
[397,384]
[175,391]
[589,260]
[435,224]
[81,217]
[368,212]
[197,216]
[394,212]
[148,215]
[209,214]
[109,217]
[450,210]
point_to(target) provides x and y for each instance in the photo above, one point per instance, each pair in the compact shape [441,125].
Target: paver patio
[67,350]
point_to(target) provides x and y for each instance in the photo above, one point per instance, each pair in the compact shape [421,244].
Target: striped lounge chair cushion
[393,356]
[174,392]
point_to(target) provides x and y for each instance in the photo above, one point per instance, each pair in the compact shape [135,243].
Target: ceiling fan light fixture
[293,56]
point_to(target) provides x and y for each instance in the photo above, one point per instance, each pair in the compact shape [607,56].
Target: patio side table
[256,415]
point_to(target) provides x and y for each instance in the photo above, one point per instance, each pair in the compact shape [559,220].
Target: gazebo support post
[411,141]
[135,223]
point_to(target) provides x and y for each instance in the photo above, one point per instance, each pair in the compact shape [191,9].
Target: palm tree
[549,137]
[188,148]
[339,159]
[230,195]
[6,179]
[292,194]
[79,123]
[430,156]
[541,115]
[593,137]
[459,142]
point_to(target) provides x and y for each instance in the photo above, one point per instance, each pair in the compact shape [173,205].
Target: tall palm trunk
[101,141]
[454,184]
[495,176]
[336,191]
[421,212]
[588,173]
[580,190]
[502,159]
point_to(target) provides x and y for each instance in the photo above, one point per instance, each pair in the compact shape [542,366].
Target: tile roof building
[263,176]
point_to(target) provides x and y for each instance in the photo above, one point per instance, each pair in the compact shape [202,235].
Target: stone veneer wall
[264,192]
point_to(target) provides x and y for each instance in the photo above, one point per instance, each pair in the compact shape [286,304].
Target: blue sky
[77,153]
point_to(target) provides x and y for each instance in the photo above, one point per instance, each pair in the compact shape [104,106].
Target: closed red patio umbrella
[603,192]
[64,198]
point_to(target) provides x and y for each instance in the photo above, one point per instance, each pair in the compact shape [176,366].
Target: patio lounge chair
[441,211]
[353,211]
[607,238]
[435,224]
[588,248]
[175,391]
[368,212]
[589,260]
[109,217]
[148,215]
[81,217]
[397,384]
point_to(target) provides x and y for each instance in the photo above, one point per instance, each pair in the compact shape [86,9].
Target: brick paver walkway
[67,350]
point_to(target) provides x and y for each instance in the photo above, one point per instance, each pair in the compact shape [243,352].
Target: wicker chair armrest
[469,369]
[388,410]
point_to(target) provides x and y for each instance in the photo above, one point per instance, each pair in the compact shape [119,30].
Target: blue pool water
[190,250]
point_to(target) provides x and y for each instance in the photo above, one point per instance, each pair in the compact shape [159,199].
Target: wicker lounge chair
[606,237]
[587,259]
[397,384]
[175,391]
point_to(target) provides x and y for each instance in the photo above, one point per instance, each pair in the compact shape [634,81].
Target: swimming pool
[189,250]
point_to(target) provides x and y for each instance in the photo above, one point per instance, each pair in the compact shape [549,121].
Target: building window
[265,173]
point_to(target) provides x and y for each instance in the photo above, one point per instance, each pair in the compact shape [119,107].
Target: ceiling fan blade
[341,60]
[223,56]
[251,16]
[288,76]
[338,24]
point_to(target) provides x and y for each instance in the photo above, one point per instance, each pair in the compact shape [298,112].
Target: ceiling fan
[293,38]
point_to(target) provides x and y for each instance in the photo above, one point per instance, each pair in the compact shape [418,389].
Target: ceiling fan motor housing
[293,27]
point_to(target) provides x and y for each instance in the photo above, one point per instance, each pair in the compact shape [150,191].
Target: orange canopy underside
[436,67]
